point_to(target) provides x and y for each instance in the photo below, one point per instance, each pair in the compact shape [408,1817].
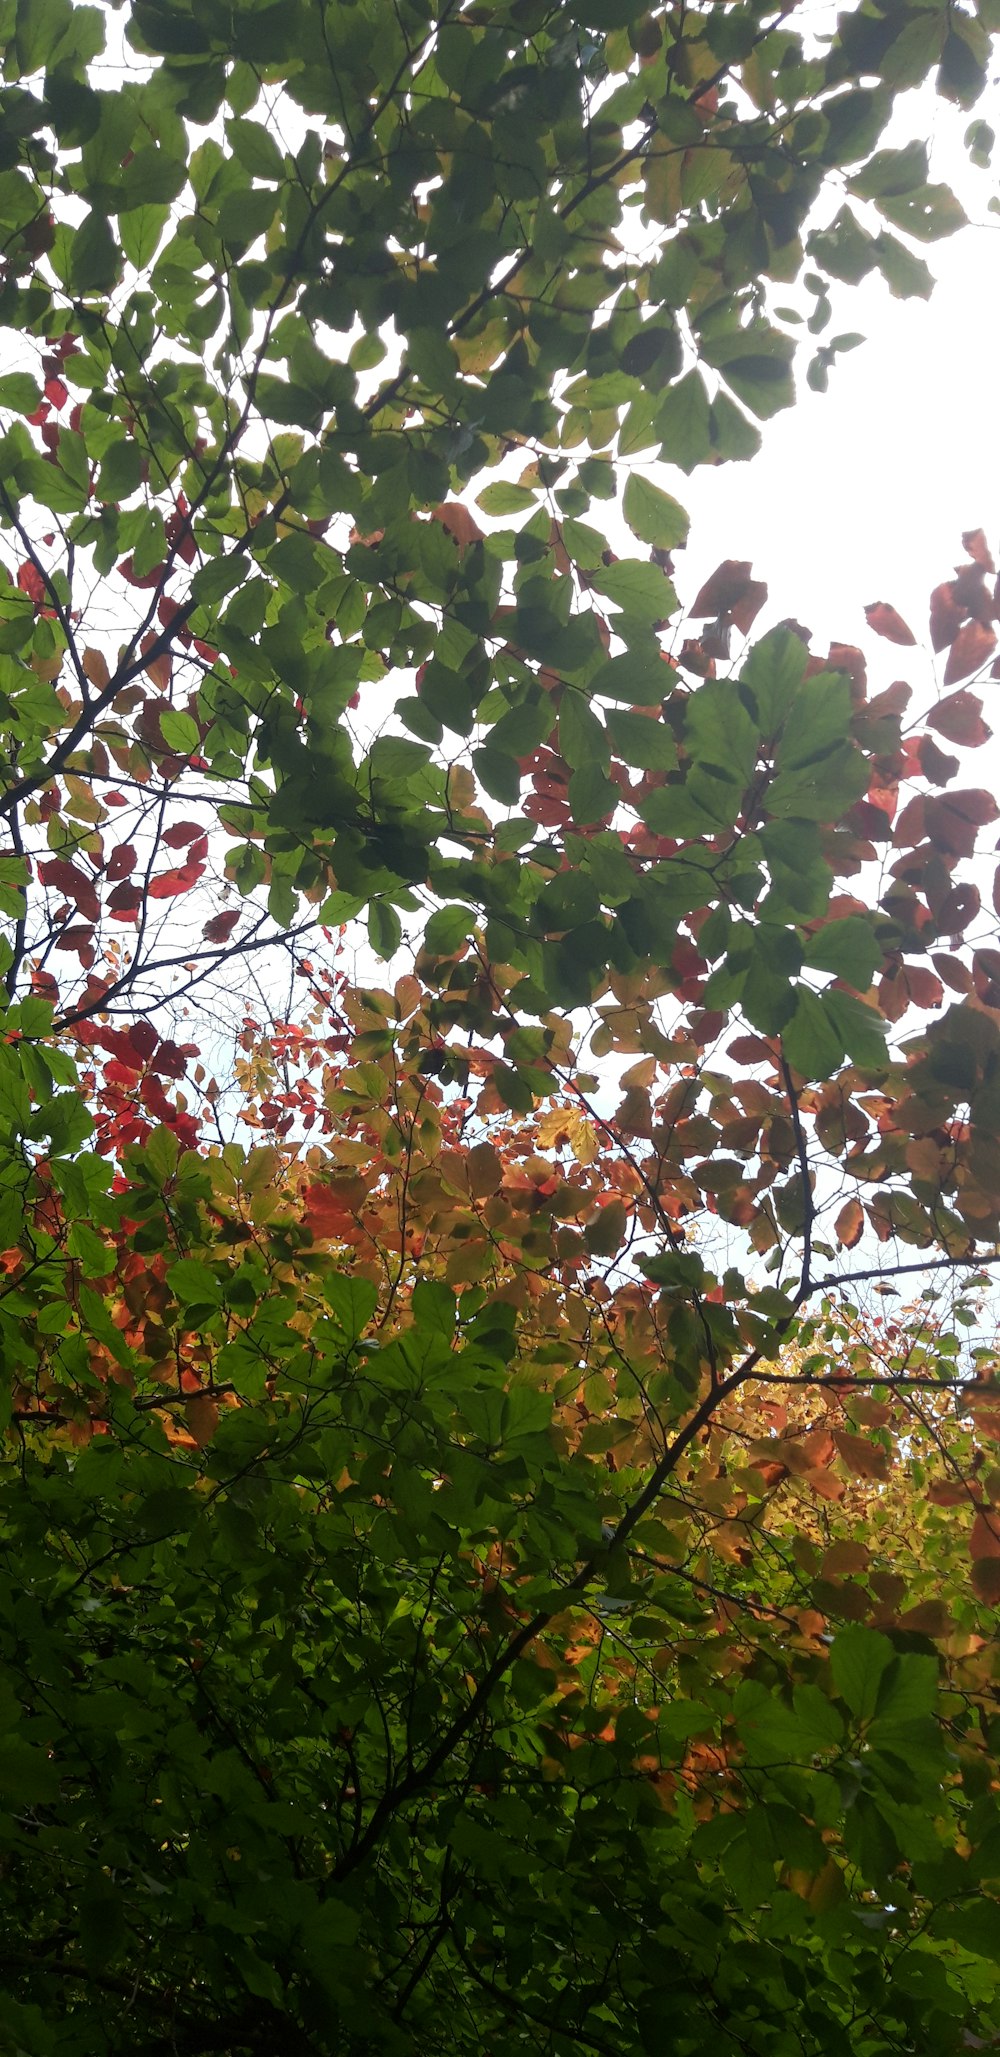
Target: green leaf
[19,391]
[860,1028]
[583,739]
[179,731]
[140,230]
[653,515]
[447,930]
[642,741]
[504,498]
[858,1658]
[352,1301]
[256,150]
[95,261]
[848,948]
[812,1041]
[385,930]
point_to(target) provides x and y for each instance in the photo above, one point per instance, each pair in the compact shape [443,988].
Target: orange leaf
[458,523]
[850,1223]
[326,1213]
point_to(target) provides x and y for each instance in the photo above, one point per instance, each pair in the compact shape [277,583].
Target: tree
[479,1571]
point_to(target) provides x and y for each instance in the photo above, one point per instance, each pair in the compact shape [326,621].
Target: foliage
[480,1571]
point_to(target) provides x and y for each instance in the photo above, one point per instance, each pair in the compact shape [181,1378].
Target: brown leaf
[864,1459]
[948,1492]
[731,590]
[972,646]
[95,668]
[928,1618]
[845,1559]
[986,1580]
[202,1417]
[975,545]
[485,1170]
[848,658]
[886,622]
[984,1540]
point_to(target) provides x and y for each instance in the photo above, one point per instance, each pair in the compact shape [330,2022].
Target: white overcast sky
[862,493]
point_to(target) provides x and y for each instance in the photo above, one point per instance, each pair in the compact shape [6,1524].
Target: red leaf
[179,880]
[30,581]
[170,1060]
[181,832]
[325,1213]
[886,622]
[58,872]
[121,861]
[56,393]
[149,578]
[143,1038]
[178,534]
[221,926]
[959,717]
[972,646]
[124,900]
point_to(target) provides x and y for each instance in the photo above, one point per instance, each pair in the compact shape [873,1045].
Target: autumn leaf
[886,622]
[850,1224]
[971,648]
[862,1458]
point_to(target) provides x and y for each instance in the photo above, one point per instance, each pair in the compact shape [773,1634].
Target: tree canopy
[499,1511]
